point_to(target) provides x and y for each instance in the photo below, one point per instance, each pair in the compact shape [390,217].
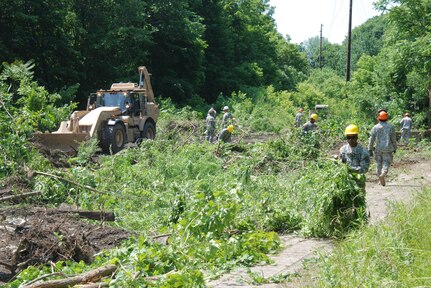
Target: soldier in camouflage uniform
[383,141]
[310,126]
[211,125]
[226,134]
[227,117]
[406,128]
[298,118]
[354,154]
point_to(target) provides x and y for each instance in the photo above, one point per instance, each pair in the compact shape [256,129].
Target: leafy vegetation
[26,107]
[395,252]
[221,205]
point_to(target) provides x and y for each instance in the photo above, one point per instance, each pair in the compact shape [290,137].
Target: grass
[394,253]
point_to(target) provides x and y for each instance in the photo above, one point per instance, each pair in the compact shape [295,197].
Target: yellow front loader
[125,113]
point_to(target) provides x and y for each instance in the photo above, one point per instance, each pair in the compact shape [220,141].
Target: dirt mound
[30,236]
[58,158]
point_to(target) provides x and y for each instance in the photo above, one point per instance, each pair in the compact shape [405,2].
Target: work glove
[371,152]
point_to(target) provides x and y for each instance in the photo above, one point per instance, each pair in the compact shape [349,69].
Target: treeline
[191,47]
[198,50]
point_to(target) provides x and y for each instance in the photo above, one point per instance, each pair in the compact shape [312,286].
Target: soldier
[406,128]
[383,137]
[210,122]
[298,118]
[226,134]
[310,125]
[354,154]
[227,117]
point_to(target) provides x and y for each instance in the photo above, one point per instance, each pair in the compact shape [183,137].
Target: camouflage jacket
[382,137]
[225,136]
[298,119]
[309,127]
[210,122]
[357,157]
[227,118]
[406,123]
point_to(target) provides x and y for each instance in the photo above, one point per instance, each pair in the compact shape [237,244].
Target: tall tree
[177,56]
[42,31]
[410,37]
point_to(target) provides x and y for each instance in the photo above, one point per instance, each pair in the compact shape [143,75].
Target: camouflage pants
[383,162]
[210,134]
[405,135]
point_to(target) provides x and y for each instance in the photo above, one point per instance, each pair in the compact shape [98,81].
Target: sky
[301,19]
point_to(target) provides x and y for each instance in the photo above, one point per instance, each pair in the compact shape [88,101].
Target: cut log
[89,214]
[96,215]
[90,276]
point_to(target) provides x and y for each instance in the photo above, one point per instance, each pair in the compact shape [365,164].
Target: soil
[35,235]
[292,265]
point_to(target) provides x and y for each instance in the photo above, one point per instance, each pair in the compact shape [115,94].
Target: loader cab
[322,110]
[130,103]
[93,102]
[133,104]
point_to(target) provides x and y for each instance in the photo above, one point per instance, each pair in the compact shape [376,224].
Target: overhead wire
[335,14]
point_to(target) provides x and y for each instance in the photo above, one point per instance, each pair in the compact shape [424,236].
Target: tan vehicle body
[125,113]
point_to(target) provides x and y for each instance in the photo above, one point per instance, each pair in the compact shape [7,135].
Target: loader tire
[115,137]
[103,141]
[149,131]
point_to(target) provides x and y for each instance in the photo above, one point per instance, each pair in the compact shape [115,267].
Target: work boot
[382,179]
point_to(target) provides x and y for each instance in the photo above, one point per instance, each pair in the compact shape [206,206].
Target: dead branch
[69,181]
[92,285]
[47,276]
[5,191]
[161,236]
[90,276]
[18,196]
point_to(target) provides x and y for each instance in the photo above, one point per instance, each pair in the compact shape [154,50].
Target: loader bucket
[66,142]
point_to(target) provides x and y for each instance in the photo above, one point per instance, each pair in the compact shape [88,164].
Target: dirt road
[404,179]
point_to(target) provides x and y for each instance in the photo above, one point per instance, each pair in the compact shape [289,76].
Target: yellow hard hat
[351,130]
[314,116]
[230,128]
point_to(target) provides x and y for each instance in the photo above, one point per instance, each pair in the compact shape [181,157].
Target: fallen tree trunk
[90,276]
[18,196]
[93,215]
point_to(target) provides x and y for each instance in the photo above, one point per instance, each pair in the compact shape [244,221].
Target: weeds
[394,253]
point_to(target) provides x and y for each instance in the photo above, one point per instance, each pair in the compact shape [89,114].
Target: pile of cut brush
[31,236]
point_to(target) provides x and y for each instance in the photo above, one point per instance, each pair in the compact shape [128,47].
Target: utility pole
[320,49]
[349,44]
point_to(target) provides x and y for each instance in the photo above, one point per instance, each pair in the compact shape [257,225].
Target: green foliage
[394,252]
[26,107]
[195,50]
[86,151]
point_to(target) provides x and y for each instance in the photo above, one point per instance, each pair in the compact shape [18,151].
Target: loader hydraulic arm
[144,81]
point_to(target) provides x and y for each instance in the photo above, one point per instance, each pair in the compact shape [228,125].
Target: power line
[334,16]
